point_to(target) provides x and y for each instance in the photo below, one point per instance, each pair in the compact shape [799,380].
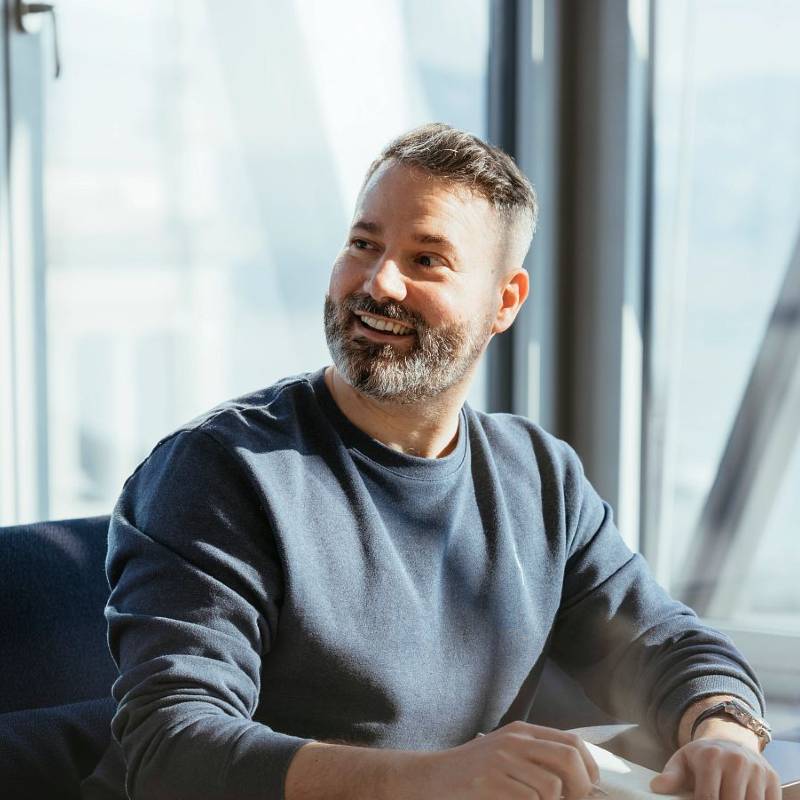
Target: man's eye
[426,260]
[359,244]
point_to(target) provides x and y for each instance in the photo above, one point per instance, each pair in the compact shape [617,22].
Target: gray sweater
[278,576]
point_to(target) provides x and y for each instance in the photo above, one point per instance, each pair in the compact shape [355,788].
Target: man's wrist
[719,727]
[692,713]
[328,771]
[727,730]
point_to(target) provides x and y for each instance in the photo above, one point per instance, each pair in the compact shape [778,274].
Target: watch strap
[739,713]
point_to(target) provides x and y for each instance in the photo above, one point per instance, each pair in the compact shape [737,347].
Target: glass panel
[200,172]
[772,598]
[726,222]
[727,215]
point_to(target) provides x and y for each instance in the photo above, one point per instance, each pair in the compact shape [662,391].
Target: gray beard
[437,360]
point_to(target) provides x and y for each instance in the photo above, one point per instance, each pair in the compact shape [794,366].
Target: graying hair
[461,158]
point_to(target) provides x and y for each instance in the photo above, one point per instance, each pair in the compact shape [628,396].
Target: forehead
[398,195]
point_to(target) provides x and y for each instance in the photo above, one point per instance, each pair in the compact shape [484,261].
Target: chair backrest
[53,589]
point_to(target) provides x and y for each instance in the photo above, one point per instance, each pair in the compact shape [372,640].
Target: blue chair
[56,671]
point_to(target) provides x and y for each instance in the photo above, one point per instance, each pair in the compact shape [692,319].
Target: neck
[428,429]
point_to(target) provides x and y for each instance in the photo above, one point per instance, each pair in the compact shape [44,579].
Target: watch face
[746,716]
[738,712]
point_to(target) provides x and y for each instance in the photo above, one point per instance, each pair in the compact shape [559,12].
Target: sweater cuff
[259,763]
[679,699]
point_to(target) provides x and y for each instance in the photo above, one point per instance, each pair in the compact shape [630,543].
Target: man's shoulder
[524,451]
[270,407]
[520,436]
[272,418]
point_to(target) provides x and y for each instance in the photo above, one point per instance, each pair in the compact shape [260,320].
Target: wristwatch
[740,713]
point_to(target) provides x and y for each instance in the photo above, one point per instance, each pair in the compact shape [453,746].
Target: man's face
[413,295]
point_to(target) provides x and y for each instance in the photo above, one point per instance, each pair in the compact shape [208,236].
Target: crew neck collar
[394,460]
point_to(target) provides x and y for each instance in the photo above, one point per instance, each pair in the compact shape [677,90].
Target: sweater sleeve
[639,654]
[195,591]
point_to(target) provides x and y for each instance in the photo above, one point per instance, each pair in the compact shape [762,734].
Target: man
[329,588]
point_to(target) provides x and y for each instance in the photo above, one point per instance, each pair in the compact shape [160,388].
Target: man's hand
[722,763]
[517,761]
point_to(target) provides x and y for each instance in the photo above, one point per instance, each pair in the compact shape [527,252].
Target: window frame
[755,447]
[8,444]
[588,359]
[23,341]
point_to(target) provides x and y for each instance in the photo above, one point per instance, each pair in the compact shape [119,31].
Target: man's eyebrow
[366,225]
[434,238]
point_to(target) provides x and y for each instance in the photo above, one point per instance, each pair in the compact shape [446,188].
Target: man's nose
[386,281]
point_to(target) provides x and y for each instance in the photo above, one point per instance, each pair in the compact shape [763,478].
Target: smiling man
[330,587]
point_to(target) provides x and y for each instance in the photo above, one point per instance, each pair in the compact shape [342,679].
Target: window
[723,496]
[198,170]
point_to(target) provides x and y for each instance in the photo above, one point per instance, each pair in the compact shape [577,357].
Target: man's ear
[514,290]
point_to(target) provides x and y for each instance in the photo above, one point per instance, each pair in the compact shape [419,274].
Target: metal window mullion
[502,111]
[582,134]
[537,344]
[665,300]
[8,440]
[26,275]
[605,146]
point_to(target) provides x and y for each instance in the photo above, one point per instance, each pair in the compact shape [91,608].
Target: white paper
[622,780]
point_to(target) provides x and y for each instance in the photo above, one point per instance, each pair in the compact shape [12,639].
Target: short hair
[461,158]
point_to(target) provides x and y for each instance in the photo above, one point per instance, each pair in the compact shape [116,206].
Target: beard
[437,360]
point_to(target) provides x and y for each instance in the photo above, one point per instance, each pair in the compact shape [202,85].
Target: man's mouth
[383,325]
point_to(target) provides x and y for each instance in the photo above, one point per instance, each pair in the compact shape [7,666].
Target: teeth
[385,325]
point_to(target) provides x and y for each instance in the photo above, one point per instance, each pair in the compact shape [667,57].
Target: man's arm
[195,590]
[331,772]
[507,763]
[647,658]
[638,653]
[716,727]
[722,761]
